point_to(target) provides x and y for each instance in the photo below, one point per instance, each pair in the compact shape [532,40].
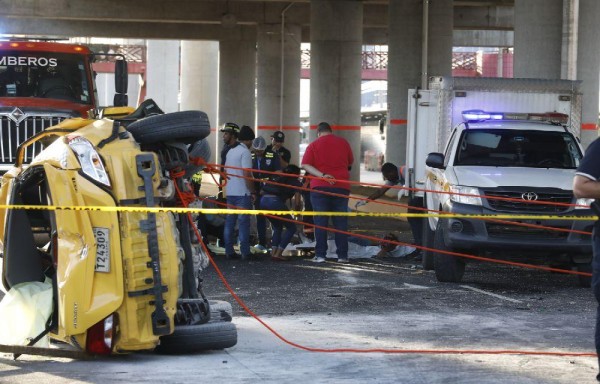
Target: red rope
[358,350]
[519,224]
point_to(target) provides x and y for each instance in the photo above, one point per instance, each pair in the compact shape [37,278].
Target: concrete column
[237,77]
[568,67]
[405,61]
[538,38]
[278,84]
[336,54]
[588,67]
[162,76]
[441,24]
[200,83]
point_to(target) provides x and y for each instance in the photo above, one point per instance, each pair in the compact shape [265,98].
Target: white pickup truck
[465,157]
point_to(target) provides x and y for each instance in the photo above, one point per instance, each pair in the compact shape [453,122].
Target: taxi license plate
[102,249]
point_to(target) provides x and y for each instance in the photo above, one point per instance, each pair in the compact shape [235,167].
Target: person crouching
[274,198]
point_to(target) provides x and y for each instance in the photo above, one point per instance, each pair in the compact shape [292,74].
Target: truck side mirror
[435,160]
[120,76]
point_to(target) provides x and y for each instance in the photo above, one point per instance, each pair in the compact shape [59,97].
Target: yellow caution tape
[226,211]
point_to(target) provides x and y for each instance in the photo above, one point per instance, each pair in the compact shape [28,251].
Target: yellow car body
[101,257]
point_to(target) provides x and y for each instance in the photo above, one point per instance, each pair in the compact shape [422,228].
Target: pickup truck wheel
[186,126]
[427,243]
[584,281]
[448,268]
[220,311]
[197,338]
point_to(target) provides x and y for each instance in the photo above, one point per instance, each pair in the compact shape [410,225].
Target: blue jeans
[327,203]
[243,202]
[280,238]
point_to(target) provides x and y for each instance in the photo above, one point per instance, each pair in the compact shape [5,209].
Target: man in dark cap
[246,136]
[277,140]
[329,158]
[230,140]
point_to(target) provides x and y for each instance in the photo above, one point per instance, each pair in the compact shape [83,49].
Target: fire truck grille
[14,134]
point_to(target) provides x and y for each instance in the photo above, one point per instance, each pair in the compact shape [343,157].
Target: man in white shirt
[240,193]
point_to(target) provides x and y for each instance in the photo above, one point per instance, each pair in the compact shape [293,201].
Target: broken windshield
[44,74]
[518,148]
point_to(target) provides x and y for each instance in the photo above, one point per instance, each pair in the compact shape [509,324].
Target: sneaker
[343,260]
[318,259]
[261,248]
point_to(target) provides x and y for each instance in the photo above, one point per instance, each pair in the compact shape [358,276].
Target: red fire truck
[43,83]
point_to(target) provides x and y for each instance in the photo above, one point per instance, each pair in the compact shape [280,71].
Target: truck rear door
[422,136]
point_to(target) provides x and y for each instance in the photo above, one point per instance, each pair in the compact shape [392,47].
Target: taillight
[100,337]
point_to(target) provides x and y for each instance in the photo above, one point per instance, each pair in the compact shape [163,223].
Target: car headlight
[585,202]
[89,159]
[459,192]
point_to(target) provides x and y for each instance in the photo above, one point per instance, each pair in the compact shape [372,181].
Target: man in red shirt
[329,158]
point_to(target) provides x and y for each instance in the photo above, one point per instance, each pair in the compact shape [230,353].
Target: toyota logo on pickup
[529,196]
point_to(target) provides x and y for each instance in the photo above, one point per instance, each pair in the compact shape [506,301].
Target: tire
[186,126]
[197,338]
[428,256]
[584,281]
[448,268]
[220,311]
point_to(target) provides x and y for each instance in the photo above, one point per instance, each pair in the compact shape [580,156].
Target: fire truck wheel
[220,311]
[428,243]
[185,126]
[197,338]
[448,268]
[584,281]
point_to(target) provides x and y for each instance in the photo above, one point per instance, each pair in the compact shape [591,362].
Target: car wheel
[220,311]
[197,338]
[185,126]
[428,255]
[584,281]
[448,268]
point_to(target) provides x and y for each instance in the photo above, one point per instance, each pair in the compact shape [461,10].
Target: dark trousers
[261,225]
[596,281]
[416,223]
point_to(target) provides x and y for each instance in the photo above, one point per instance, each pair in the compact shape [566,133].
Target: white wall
[106,88]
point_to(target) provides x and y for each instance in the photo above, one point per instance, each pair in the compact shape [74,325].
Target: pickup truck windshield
[44,75]
[518,148]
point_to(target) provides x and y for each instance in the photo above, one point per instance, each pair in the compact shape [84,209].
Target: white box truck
[482,146]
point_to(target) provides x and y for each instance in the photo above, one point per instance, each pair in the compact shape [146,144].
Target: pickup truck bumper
[467,233]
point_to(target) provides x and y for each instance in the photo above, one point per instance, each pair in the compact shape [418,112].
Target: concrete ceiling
[203,19]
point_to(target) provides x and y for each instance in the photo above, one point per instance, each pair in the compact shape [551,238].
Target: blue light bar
[475,115]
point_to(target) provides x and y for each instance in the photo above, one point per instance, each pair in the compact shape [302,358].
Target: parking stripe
[491,294]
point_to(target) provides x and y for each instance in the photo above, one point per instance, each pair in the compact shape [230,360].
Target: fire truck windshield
[44,75]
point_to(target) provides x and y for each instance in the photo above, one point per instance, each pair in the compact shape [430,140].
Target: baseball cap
[278,136]
[259,144]
[231,127]
[246,133]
